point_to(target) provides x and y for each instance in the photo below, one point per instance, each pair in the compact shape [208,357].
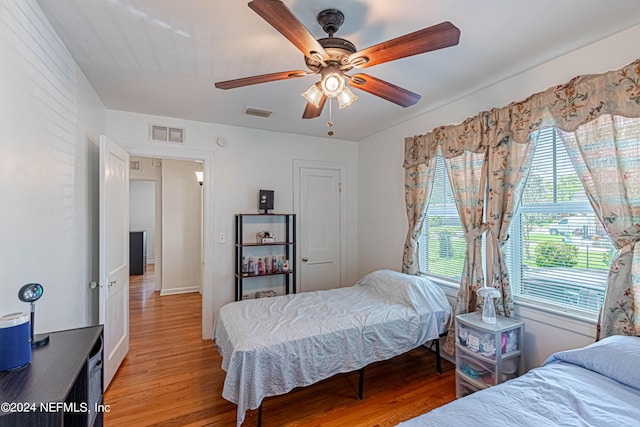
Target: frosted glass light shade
[332,84]
[313,95]
[346,97]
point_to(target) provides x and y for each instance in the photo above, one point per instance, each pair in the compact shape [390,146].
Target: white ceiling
[162,57]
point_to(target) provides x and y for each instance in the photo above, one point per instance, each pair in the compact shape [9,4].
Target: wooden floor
[171,377]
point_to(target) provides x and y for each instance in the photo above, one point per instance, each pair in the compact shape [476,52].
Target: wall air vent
[158,133]
[250,111]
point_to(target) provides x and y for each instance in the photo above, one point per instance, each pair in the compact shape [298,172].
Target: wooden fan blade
[436,37]
[278,15]
[311,112]
[385,90]
[262,78]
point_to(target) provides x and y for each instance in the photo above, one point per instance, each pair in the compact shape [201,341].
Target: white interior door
[114,254]
[320,217]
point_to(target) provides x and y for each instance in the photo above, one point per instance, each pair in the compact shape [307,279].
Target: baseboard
[176,291]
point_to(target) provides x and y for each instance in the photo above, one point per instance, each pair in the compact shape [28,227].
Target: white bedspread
[598,385]
[272,345]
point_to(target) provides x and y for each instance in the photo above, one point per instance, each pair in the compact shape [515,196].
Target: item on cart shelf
[266,294]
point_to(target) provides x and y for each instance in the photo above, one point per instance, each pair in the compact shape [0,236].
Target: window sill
[568,313]
[449,283]
[580,322]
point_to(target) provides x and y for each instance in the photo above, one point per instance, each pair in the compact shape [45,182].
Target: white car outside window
[573,226]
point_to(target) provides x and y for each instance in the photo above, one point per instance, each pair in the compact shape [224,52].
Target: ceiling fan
[332,57]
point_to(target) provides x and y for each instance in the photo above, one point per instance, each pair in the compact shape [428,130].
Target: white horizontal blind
[559,253]
[442,243]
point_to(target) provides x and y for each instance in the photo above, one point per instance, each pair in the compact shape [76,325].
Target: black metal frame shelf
[289,245]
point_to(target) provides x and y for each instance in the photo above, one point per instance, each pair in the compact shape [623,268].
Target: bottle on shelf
[260,266]
[274,264]
[285,265]
[250,265]
[245,266]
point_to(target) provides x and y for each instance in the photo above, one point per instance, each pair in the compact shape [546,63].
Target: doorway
[142,226]
[205,159]
[166,214]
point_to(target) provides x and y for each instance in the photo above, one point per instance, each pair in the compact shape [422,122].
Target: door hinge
[339,187]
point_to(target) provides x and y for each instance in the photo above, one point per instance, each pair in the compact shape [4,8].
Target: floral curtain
[606,155]
[566,107]
[417,190]
[508,164]
[467,173]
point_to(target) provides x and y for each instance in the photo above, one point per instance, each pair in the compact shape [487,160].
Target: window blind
[560,253]
[442,244]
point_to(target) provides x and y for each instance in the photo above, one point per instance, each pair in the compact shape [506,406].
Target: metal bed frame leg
[360,383]
[438,361]
[436,343]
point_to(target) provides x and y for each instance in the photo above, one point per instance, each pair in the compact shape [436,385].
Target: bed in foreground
[598,385]
[271,345]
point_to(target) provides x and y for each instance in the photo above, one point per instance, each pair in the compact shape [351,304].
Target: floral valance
[567,106]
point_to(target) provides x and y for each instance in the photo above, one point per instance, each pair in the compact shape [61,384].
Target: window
[442,243]
[558,253]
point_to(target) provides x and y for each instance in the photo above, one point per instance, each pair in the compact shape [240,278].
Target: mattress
[271,345]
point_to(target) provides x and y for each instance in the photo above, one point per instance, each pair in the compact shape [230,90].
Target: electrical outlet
[222,238]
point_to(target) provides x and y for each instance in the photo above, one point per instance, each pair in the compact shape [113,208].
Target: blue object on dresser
[15,341]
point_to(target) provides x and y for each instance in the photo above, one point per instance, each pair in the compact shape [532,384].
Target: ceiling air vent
[158,133]
[250,111]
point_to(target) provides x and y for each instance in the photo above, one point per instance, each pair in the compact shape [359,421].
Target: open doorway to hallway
[166,223]
[205,159]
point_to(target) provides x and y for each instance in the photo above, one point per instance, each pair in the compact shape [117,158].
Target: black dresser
[62,386]
[137,252]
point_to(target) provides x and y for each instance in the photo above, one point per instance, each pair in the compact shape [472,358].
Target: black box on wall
[265,200]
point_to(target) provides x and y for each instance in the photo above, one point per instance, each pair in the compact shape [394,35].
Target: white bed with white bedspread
[271,345]
[598,385]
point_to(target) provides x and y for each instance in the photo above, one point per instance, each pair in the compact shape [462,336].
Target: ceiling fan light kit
[333,57]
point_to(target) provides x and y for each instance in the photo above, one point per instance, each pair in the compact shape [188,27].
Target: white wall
[252,160]
[381,177]
[50,119]
[181,230]
[142,212]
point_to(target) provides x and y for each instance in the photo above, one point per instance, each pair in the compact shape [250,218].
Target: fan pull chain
[330,123]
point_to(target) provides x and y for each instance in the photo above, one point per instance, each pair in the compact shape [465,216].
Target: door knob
[305,259]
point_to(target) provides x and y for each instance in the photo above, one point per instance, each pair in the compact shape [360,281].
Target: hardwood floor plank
[171,377]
